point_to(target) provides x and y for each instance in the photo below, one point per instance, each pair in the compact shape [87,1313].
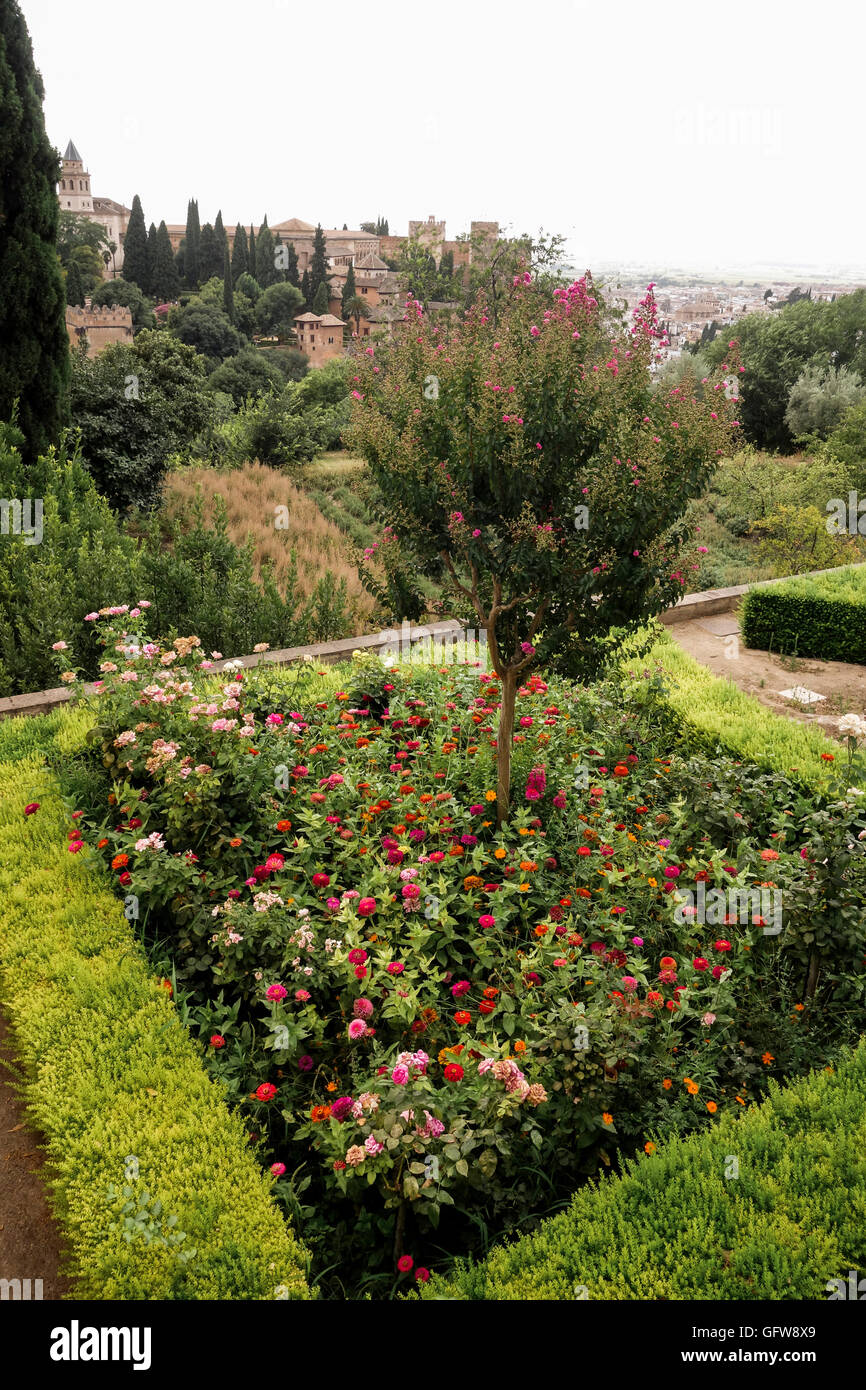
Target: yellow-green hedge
[675,1227]
[712,712]
[111,1072]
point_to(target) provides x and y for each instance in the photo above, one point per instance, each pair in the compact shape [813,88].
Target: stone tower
[74,191]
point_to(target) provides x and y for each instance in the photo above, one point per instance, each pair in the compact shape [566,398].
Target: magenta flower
[276,992]
[357,1028]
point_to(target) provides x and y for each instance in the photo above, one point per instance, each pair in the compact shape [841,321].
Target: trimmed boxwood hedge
[712,713]
[821,616]
[111,1072]
[673,1226]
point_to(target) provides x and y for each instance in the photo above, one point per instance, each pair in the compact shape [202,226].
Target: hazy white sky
[688,134]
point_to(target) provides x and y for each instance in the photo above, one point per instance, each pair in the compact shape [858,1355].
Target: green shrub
[821,616]
[112,1075]
[676,1226]
[715,714]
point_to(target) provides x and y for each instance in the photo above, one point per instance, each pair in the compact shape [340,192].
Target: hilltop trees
[532,462]
[776,348]
[34,366]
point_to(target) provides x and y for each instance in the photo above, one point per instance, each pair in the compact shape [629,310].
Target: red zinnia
[453,1072]
[266,1091]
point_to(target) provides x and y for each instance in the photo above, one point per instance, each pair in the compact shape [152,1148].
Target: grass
[252,495]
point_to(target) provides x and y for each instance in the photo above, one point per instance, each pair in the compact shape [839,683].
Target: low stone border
[449,630]
[723,600]
[326,653]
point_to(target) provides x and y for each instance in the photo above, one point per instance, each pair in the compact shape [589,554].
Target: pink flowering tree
[536,464]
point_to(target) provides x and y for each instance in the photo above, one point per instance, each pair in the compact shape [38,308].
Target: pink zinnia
[276,992]
[366,907]
[357,1028]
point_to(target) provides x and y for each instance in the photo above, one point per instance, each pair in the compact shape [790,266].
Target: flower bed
[152,1183]
[821,616]
[435,1026]
[767,1206]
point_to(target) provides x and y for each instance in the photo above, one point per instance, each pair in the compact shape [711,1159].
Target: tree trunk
[812,978]
[504,744]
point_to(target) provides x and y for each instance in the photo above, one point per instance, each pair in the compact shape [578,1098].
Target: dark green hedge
[821,616]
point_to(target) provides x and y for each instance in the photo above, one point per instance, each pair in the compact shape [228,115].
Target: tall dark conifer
[251,251]
[221,240]
[34,361]
[292,274]
[228,285]
[207,255]
[266,272]
[165,285]
[319,260]
[191,245]
[135,267]
[240,261]
[151,256]
[74,285]
[349,289]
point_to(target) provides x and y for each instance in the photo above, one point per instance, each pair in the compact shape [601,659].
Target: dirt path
[30,1244]
[711,640]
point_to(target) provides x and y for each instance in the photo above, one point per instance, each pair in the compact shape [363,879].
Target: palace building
[74,195]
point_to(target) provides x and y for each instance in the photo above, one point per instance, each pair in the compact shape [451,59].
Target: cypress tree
[34,363]
[151,255]
[266,272]
[292,274]
[349,289]
[135,248]
[319,261]
[321,299]
[207,255]
[191,245]
[165,284]
[279,259]
[305,289]
[228,285]
[251,252]
[240,261]
[221,240]
[74,285]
